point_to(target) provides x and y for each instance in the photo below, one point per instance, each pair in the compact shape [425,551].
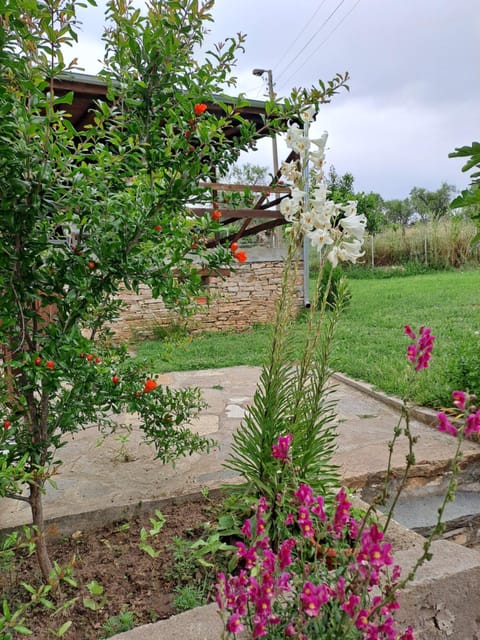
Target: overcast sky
[415,79]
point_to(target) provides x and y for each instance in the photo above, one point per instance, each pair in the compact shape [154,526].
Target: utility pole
[277,234]
[271,93]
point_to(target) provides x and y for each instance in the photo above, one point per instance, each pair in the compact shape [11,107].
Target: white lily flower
[333,256]
[301,144]
[320,238]
[354,225]
[293,133]
[297,195]
[322,218]
[290,171]
[288,209]
[317,157]
[321,142]
[320,192]
[350,208]
[307,220]
[308,113]
[350,251]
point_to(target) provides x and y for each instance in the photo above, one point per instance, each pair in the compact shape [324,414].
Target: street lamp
[259,73]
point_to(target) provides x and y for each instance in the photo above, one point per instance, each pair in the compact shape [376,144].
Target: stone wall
[236,301]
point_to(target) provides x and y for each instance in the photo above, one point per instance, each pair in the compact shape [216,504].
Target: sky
[414,70]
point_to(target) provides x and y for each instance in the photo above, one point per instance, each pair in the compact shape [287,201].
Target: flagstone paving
[95,476]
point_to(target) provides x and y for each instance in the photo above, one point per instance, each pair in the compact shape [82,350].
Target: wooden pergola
[262,216]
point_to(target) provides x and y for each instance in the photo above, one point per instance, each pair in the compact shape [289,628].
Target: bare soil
[112,557]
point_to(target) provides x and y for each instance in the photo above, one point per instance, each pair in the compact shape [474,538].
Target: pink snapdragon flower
[281,449]
[445,426]
[234,624]
[473,424]
[313,596]
[304,494]
[342,512]
[419,353]
[460,399]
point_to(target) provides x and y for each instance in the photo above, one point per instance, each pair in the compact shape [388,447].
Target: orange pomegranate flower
[200,108]
[150,385]
[241,256]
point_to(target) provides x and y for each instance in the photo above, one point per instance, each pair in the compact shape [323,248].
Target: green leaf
[19,628]
[64,628]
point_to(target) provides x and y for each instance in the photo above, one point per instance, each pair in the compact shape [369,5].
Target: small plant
[157,523]
[97,598]
[117,624]
[190,596]
[196,562]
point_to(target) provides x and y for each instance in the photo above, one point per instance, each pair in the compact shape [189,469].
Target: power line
[285,83]
[300,33]
[310,39]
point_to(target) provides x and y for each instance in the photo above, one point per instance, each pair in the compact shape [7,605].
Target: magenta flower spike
[419,353]
[281,449]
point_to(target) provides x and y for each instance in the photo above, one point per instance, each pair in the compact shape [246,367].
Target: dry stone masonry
[236,302]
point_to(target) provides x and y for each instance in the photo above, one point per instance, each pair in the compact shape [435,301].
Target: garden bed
[132,581]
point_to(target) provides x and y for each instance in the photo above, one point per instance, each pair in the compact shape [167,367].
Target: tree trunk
[36,505]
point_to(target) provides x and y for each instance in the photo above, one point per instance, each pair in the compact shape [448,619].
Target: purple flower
[246,529]
[304,494]
[284,555]
[473,423]
[419,353]
[318,509]
[234,624]
[459,399]
[408,332]
[445,425]
[342,512]
[281,449]
[247,554]
[351,605]
[313,596]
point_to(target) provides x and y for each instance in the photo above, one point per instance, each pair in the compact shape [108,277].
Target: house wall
[236,302]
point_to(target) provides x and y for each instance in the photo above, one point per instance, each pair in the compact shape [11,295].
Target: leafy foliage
[470,198]
[84,213]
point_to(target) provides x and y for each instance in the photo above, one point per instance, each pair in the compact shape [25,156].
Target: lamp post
[271,93]
[276,236]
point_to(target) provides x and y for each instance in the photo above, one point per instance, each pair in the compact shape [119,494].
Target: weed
[190,596]
[117,624]
[157,523]
[97,598]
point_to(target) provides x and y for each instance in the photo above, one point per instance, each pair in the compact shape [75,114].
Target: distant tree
[340,187]
[432,205]
[247,173]
[398,211]
[370,204]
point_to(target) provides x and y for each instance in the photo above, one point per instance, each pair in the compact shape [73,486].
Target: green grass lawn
[370,344]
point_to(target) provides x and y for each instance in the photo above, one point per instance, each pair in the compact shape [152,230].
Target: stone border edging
[422,414]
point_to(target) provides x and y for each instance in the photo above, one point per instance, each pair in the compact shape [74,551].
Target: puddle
[420,511]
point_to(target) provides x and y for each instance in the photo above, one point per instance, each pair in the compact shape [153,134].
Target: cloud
[414,83]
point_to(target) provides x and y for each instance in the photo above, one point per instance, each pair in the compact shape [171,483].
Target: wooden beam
[257,188]
[238,213]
